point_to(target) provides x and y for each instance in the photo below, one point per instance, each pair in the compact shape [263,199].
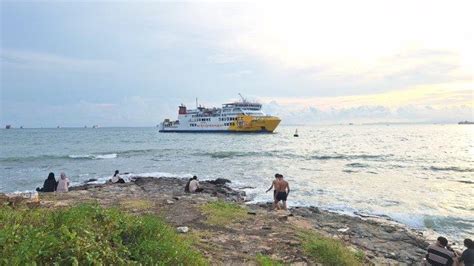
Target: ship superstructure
[241,116]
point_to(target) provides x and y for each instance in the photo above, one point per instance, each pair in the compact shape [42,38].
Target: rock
[314,209]
[219,181]
[176,198]
[266,228]
[251,213]
[91,180]
[182,229]
[169,202]
[343,230]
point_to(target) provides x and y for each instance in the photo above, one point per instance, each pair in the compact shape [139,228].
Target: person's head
[468,243]
[277,175]
[51,175]
[442,241]
[116,172]
[280,176]
[63,175]
[195,177]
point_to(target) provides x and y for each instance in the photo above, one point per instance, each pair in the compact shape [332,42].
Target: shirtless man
[272,186]
[282,189]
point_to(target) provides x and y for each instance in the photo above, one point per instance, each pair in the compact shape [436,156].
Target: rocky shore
[262,231]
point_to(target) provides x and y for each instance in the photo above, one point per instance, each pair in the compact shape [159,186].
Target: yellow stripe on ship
[247,123]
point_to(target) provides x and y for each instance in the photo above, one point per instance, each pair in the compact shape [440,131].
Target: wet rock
[91,180]
[251,213]
[219,181]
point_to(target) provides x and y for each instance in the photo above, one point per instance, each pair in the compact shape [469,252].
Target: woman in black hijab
[49,184]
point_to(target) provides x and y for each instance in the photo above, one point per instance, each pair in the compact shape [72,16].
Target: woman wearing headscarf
[63,183]
[49,184]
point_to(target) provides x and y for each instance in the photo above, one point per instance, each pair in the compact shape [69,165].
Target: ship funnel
[182,110]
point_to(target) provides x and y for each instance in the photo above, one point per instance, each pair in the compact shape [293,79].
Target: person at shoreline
[468,255]
[116,178]
[63,183]
[282,190]
[272,186]
[194,185]
[49,185]
[439,254]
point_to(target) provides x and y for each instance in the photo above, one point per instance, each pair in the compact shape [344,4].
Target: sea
[419,175]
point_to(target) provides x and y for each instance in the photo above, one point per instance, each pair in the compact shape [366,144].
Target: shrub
[89,234]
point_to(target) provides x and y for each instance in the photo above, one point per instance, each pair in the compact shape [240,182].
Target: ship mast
[243,99]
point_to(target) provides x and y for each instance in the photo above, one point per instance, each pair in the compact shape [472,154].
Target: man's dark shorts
[281,196]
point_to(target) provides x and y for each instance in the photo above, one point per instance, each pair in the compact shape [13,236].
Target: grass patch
[223,213]
[89,234]
[326,250]
[263,260]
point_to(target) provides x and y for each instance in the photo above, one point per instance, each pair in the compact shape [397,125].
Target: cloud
[51,62]
[369,114]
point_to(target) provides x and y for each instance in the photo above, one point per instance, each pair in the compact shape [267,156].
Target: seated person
[194,185]
[116,178]
[49,184]
[438,254]
[468,255]
[63,183]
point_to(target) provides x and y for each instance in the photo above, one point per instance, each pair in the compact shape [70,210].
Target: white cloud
[51,62]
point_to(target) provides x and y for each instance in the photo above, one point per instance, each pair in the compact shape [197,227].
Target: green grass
[263,260]
[223,213]
[89,234]
[328,251]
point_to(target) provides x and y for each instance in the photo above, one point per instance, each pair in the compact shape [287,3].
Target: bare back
[281,185]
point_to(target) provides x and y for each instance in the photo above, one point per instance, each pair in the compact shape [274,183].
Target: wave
[94,156]
[451,168]
[357,165]
[231,154]
[350,157]
[60,157]
[327,157]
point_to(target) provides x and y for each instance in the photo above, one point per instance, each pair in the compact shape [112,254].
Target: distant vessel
[466,123]
[8,126]
[95,126]
[241,116]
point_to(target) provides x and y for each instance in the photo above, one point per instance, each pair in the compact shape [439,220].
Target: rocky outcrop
[263,231]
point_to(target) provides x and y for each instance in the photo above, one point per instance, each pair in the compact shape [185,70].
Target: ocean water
[419,175]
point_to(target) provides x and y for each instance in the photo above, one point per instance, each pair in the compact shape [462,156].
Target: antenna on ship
[196,103]
[242,97]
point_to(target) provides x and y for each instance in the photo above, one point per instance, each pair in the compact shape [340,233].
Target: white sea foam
[93,156]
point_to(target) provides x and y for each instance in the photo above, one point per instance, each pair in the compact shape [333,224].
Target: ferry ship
[241,116]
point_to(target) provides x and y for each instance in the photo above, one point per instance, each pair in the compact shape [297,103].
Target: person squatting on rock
[282,190]
[194,185]
[440,253]
[63,183]
[49,184]
[116,178]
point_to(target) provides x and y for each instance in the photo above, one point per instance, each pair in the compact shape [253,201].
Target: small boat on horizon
[465,122]
[296,133]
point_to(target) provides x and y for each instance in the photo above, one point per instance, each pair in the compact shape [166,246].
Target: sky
[131,63]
